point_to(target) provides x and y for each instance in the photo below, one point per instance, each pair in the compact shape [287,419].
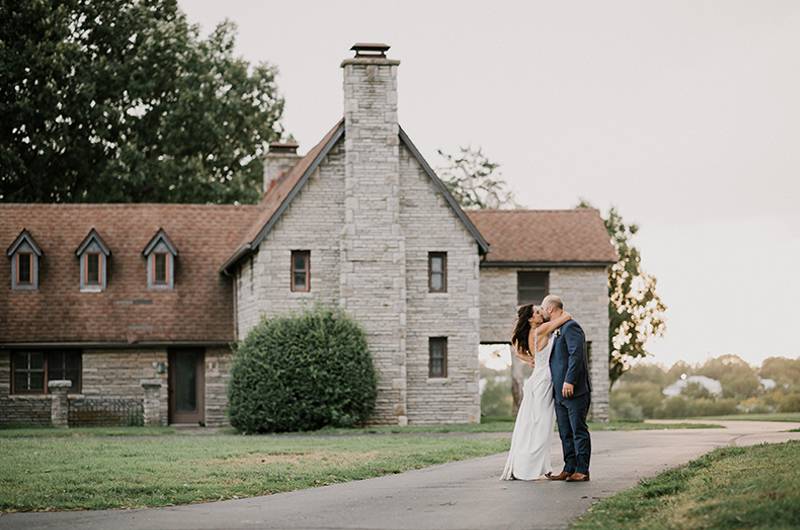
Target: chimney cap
[370,49]
[283,147]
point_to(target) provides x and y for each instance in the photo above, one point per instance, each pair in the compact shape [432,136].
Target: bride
[529,456]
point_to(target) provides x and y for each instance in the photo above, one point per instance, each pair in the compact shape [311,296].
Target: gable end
[483,245]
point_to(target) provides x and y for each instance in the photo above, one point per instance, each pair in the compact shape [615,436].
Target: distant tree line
[772,387]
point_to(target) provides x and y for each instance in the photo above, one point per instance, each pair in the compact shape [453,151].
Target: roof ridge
[91,205]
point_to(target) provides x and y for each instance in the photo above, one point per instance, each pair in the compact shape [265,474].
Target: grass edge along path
[767,416]
[490,426]
[730,487]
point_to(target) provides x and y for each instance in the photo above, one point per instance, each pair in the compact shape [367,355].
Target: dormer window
[25,255]
[160,253]
[93,254]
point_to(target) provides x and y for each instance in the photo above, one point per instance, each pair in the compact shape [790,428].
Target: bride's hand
[524,357]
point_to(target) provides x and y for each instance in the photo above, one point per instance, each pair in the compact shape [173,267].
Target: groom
[572,391]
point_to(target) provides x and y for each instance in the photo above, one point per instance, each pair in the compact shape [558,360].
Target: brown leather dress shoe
[561,476]
[578,477]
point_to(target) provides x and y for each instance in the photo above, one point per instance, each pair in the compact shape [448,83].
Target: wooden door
[186,386]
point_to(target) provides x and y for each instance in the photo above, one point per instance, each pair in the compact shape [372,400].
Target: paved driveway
[459,495]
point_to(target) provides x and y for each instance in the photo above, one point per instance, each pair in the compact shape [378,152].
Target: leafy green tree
[635,309]
[122,100]
[647,373]
[738,379]
[474,180]
[677,370]
[785,372]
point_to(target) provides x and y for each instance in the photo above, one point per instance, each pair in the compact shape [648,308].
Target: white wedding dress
[529,456]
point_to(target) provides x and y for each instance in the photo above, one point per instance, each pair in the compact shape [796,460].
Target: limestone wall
[430,225]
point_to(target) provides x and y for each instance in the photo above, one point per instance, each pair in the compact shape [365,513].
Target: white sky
[684,114]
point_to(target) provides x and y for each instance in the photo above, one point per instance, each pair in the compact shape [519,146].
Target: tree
[782,370]
[738,379]
[474,180]
[122,100]
[635,309]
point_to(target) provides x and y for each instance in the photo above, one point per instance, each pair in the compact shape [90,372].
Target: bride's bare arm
[521,355]
[551,326]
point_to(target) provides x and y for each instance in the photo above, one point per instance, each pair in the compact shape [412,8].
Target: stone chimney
[372,284]
[281,157]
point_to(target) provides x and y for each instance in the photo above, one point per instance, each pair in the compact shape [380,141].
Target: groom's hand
[567,390]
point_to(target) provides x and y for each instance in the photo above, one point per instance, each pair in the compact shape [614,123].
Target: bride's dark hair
[522,328]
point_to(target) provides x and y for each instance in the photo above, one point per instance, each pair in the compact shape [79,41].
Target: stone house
[128,299]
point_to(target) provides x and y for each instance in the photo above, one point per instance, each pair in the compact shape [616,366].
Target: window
[160,269]
[437,272]
[92,268]
[301,277]
[437,360]
[33,370]
[160,253]
[25,255]
[532,287]
[24,268]
[28,371]
[93,254]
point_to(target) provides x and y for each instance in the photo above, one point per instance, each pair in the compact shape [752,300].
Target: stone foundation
[112,392]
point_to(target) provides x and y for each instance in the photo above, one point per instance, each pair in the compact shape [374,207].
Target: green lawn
[88,471]
[48,432]
[774,416]
[732,487]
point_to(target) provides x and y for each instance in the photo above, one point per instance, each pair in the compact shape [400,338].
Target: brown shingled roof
[200,308]
[574,236]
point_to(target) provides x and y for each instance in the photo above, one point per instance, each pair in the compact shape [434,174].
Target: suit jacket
[569,362]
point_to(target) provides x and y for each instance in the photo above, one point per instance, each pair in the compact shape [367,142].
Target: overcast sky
[685,115]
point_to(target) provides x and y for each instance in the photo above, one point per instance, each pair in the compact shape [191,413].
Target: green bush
[790,403]
[624,408]
[646,395]
[496,399]
[681,407]
[301,372]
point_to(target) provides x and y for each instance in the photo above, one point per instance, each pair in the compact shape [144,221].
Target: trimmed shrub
[302,371]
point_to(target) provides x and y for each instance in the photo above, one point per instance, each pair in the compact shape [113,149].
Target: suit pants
[575,440]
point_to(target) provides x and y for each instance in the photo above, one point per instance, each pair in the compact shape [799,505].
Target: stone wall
[585,294]
[453,314]
[313,222]
[218,365]
[117,373]
[112,393]
[372,250]
[102,411]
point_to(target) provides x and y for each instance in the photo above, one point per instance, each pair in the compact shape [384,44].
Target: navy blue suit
[569,363]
